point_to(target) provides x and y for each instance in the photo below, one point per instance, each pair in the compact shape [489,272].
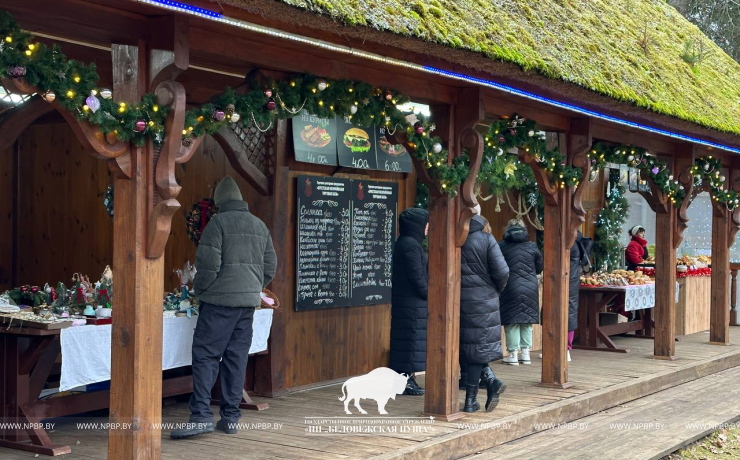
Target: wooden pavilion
[607,91]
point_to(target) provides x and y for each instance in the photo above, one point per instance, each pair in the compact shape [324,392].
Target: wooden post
[665,284]
[733,298]
[719,314]
[443,323]
[136,345]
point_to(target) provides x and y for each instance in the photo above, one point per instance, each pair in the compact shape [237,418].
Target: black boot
[486,376]
[463,380]
[192,429]
[413,388]
[471,405]
[494,390]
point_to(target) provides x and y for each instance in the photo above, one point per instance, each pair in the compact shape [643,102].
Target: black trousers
[473,371]
[221,343]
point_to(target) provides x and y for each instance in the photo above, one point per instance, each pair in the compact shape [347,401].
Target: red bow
[204,205]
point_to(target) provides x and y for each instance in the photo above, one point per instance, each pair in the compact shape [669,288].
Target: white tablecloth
[639,297]
[86,349]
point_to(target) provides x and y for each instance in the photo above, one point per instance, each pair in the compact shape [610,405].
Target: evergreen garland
[709,170]
[422,195]
[607,250]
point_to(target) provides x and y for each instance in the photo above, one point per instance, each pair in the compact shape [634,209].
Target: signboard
[315,139]
[346,230]
[392,158]
[356,146]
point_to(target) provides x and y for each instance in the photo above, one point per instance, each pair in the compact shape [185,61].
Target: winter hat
[226,191]
[413,222]
[636,229]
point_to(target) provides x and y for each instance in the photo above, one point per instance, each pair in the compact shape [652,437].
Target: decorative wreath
[198,217]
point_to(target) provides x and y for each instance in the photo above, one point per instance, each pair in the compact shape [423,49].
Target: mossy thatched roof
[628,50]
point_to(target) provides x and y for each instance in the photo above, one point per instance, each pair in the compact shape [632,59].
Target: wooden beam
[136,345]
[443,323]
[614,133]
[235,151]
[16,120]
[169,53]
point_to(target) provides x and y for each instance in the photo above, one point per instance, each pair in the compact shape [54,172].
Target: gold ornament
[105,93]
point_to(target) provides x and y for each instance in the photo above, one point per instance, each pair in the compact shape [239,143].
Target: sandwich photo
[357,140]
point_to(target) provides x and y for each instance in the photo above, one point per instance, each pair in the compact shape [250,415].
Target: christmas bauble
[655,170]
[218,115]
[388,95]
[106,93]
[230,109]
[140,125]
[271,104]
[268,92]
[235,117]
[50,96]
[322,85]
[187,141]
[721,178]
[92,102]
[353,109]
[630,158]
[436,147]
[706,166]
[501,139]
[530,133]
[670,177]
[16,72]
[419,128]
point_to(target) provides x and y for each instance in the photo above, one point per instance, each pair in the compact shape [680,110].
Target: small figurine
[186,274]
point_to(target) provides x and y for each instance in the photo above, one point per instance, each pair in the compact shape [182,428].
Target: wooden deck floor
[600,380]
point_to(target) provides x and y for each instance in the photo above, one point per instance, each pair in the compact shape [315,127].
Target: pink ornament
[218,115]
[92,102]
[268,92]
[16,72]
[655,170]
[388,95]
[271,104]
[419,128]
[141,126]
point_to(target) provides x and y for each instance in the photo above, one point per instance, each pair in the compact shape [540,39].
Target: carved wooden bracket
[236,152]
[577,213]
[656,198]
[172,94]
[547,190]
[472,141]
[734,216]
[14,121]
[101,146]
[186,153]
[686,179]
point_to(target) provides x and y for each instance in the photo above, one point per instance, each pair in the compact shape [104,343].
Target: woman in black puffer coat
[520,301]
[578,258]
[483,275]
[409,298]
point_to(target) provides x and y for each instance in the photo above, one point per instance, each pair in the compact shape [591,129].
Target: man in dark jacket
[409,299]
[483,274]
[234,262]
[520,301]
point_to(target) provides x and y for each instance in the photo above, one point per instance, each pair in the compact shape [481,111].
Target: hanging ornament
[655,170]
[366,101]
[530,133]
[436,147]
[706,166]
[630,158]
[235,117]
[721,178]
[105,93]
[16,71]
[268,92]
[230,109]
[49,96]
[271,104]
[218,115]
[501,139]
[141,126]
[92,102]
[670,177]
[509,169]
[187,141]
[322,85]
[353,109]
[388,95]
[419,128]
[499,152]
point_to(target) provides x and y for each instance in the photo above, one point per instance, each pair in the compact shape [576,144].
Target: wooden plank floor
[600,380]
[652,427]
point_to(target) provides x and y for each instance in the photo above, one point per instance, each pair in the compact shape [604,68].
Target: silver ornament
[722,178]
[322,85]
[499,152]
[436,147]
[105,93]
[630,158]
[353,109]
[49,96]
[530,133]
[670,177]
[235,117]
[706,166]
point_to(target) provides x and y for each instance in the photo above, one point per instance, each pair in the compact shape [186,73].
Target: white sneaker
[568,355]
[512,358]
[524,357]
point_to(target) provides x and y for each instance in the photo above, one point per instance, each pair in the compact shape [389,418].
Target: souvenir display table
[594,300]
[27,356]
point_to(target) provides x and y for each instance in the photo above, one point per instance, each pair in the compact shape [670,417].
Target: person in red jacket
[637,250]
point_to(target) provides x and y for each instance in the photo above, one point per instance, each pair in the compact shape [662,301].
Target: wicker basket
[271,295]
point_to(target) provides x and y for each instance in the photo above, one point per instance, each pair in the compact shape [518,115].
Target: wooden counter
[692,309]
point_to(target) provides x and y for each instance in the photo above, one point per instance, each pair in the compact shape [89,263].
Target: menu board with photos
[333,141]
[356,146]
[346,230]
[315,139]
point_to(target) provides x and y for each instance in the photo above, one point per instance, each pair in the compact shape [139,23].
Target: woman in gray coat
[483,275]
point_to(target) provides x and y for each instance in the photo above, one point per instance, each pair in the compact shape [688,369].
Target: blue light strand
[184,7]
[575,108]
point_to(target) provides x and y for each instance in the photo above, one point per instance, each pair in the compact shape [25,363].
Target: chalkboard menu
[346,230]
